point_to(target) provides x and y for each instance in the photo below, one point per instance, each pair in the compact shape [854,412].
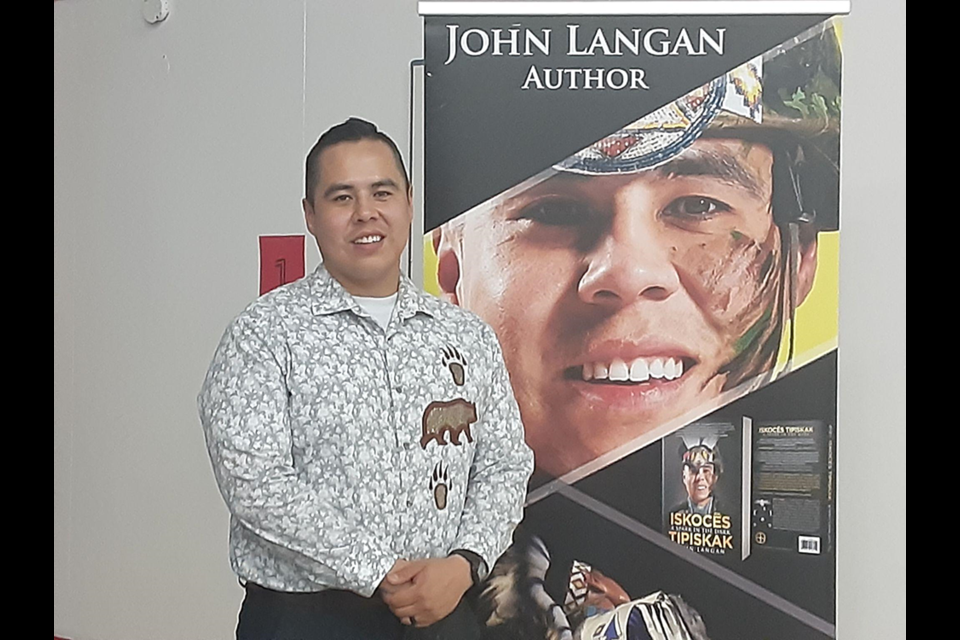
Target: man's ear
[308,215]
[448,263]
[807,271]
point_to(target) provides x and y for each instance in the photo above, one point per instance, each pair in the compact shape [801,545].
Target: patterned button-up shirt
[340,447]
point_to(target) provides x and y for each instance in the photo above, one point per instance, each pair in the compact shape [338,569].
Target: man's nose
[365,208]
[631,262]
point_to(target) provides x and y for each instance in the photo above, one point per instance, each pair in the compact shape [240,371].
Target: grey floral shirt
[340,447]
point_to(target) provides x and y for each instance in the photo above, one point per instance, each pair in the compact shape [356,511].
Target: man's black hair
[353,130]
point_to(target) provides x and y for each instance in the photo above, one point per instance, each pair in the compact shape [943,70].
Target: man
[363,434]
[702,468]
[637,280]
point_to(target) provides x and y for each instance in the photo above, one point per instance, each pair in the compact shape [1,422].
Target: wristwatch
[478,568]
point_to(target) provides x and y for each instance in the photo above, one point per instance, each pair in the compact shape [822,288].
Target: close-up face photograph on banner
[675,260]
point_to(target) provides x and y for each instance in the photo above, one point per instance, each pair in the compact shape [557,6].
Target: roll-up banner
[642,199]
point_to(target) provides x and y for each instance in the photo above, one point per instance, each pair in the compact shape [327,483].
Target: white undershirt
[380,308]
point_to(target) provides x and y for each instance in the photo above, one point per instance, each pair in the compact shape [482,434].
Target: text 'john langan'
[605,42]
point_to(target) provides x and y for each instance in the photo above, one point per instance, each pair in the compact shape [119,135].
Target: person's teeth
[639,371]
[368,239]
[619,371]
[669,369]
[600,371]
[656,368]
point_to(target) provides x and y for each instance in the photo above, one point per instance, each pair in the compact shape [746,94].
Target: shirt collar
[330,297]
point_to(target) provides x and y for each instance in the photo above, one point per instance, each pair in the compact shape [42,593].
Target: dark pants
[339,615]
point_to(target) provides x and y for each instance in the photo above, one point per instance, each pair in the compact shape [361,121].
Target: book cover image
[702,489]
[792,486]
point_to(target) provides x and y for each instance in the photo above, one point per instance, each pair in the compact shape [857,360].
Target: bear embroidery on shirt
[440,485]
[456,363]
[448,416]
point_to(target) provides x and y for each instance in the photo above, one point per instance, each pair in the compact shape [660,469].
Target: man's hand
[386,586]
[425,591]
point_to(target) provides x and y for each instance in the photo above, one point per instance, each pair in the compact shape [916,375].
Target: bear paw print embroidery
[440,485]
[456,363]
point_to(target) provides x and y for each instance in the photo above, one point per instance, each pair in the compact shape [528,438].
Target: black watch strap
[478,568]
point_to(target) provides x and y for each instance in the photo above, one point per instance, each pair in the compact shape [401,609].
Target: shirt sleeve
[501,467]
[243,409]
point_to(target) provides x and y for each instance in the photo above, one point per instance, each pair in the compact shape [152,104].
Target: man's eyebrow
[337,186]
[346,186]
[711,164]
[386,182]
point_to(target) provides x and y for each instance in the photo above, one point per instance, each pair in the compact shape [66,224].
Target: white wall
[176,144]
[872,435]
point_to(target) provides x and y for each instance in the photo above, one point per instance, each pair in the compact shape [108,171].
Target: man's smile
[619,383]
[637,370]
[369,239]
[631,362]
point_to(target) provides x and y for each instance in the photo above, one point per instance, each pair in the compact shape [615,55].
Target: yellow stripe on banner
[817,319]
[430,284]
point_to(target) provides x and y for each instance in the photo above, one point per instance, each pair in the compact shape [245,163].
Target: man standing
[364,435]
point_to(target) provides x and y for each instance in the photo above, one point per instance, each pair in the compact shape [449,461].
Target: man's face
[360,216]
[621,299]
[699,482]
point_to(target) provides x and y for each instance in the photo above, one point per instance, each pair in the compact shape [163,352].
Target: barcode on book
[808,544]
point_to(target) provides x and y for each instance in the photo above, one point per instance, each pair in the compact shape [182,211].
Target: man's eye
[698,207]
[341,198]
[557,212]
[382,194]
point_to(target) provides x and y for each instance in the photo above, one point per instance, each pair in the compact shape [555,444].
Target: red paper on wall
[281,261]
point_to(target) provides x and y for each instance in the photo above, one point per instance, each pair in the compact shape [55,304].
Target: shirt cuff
[368,565]
[478,566]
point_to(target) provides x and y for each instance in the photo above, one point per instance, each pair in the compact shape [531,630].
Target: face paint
[741,283]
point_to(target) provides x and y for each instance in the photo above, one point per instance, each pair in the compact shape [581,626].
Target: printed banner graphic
[646,211]
[507,97]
